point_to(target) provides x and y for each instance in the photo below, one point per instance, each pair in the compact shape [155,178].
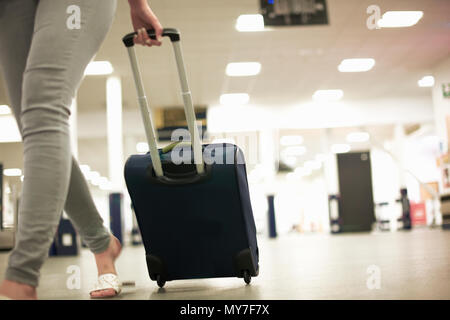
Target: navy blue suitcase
[195,218]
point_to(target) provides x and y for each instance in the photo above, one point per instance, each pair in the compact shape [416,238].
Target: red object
[418,213]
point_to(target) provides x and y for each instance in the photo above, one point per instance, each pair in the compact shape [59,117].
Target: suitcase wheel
[247,277]
[160,281]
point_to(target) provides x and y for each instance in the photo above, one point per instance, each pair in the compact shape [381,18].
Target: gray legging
[43,59]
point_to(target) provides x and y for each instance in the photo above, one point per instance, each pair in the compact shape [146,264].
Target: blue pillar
[65,242]
[271,213]
[406,209]
[116,222]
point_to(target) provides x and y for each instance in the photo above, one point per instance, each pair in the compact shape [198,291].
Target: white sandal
[107,281]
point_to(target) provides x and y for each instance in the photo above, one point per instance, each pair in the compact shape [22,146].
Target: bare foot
[17,291]
[105,264]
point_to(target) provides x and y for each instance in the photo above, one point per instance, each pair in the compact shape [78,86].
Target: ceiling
[296,61]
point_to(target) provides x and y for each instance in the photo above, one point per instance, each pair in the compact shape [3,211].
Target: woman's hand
[143,18]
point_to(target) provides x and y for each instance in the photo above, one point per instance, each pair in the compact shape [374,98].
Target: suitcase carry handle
[174,35]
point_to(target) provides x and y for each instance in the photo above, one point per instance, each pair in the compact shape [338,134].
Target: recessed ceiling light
[426,82]
[243,69]
[328,95]
[291,140]
[95,181]
[356,65]
[303,171]
[313,164]
[234,98]
[85,168]
[103,180]
[14,172]
[9,131]
[250,23]
[92,176]
[4,110]
[340,148]
[290,160]
[294,151]
[98,68]
[358,137]
[400,19]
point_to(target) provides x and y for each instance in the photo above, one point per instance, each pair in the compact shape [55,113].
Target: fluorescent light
[4,110]
[243,69]
[294,151]
[328,95]
[142,147]
[356,65]
[98,68]
[250,23]
[103,180]
[400,19]
[22,177]
[313,164]
[358,137]
[104,184]
[9,132]
[340,148]
[96,181]
[290,160]
[291,140]
[425,82]
[92,175]
[12,172]
[85,168]
[303,171]
[234,98]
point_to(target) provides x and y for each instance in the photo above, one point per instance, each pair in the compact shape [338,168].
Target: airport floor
[410,265]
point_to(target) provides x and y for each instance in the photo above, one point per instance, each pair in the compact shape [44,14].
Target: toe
[103,293]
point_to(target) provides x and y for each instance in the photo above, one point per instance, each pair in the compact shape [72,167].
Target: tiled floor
[412,265]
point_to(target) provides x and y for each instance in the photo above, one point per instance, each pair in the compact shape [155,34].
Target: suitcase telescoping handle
[174,36]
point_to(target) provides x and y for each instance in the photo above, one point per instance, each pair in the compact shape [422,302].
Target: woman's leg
[84,215]
[56,61]
[16,29]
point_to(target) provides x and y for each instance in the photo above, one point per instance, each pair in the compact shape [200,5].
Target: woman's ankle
[17,291]
[105,260]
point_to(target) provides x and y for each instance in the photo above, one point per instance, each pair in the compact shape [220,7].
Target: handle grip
[172,33]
